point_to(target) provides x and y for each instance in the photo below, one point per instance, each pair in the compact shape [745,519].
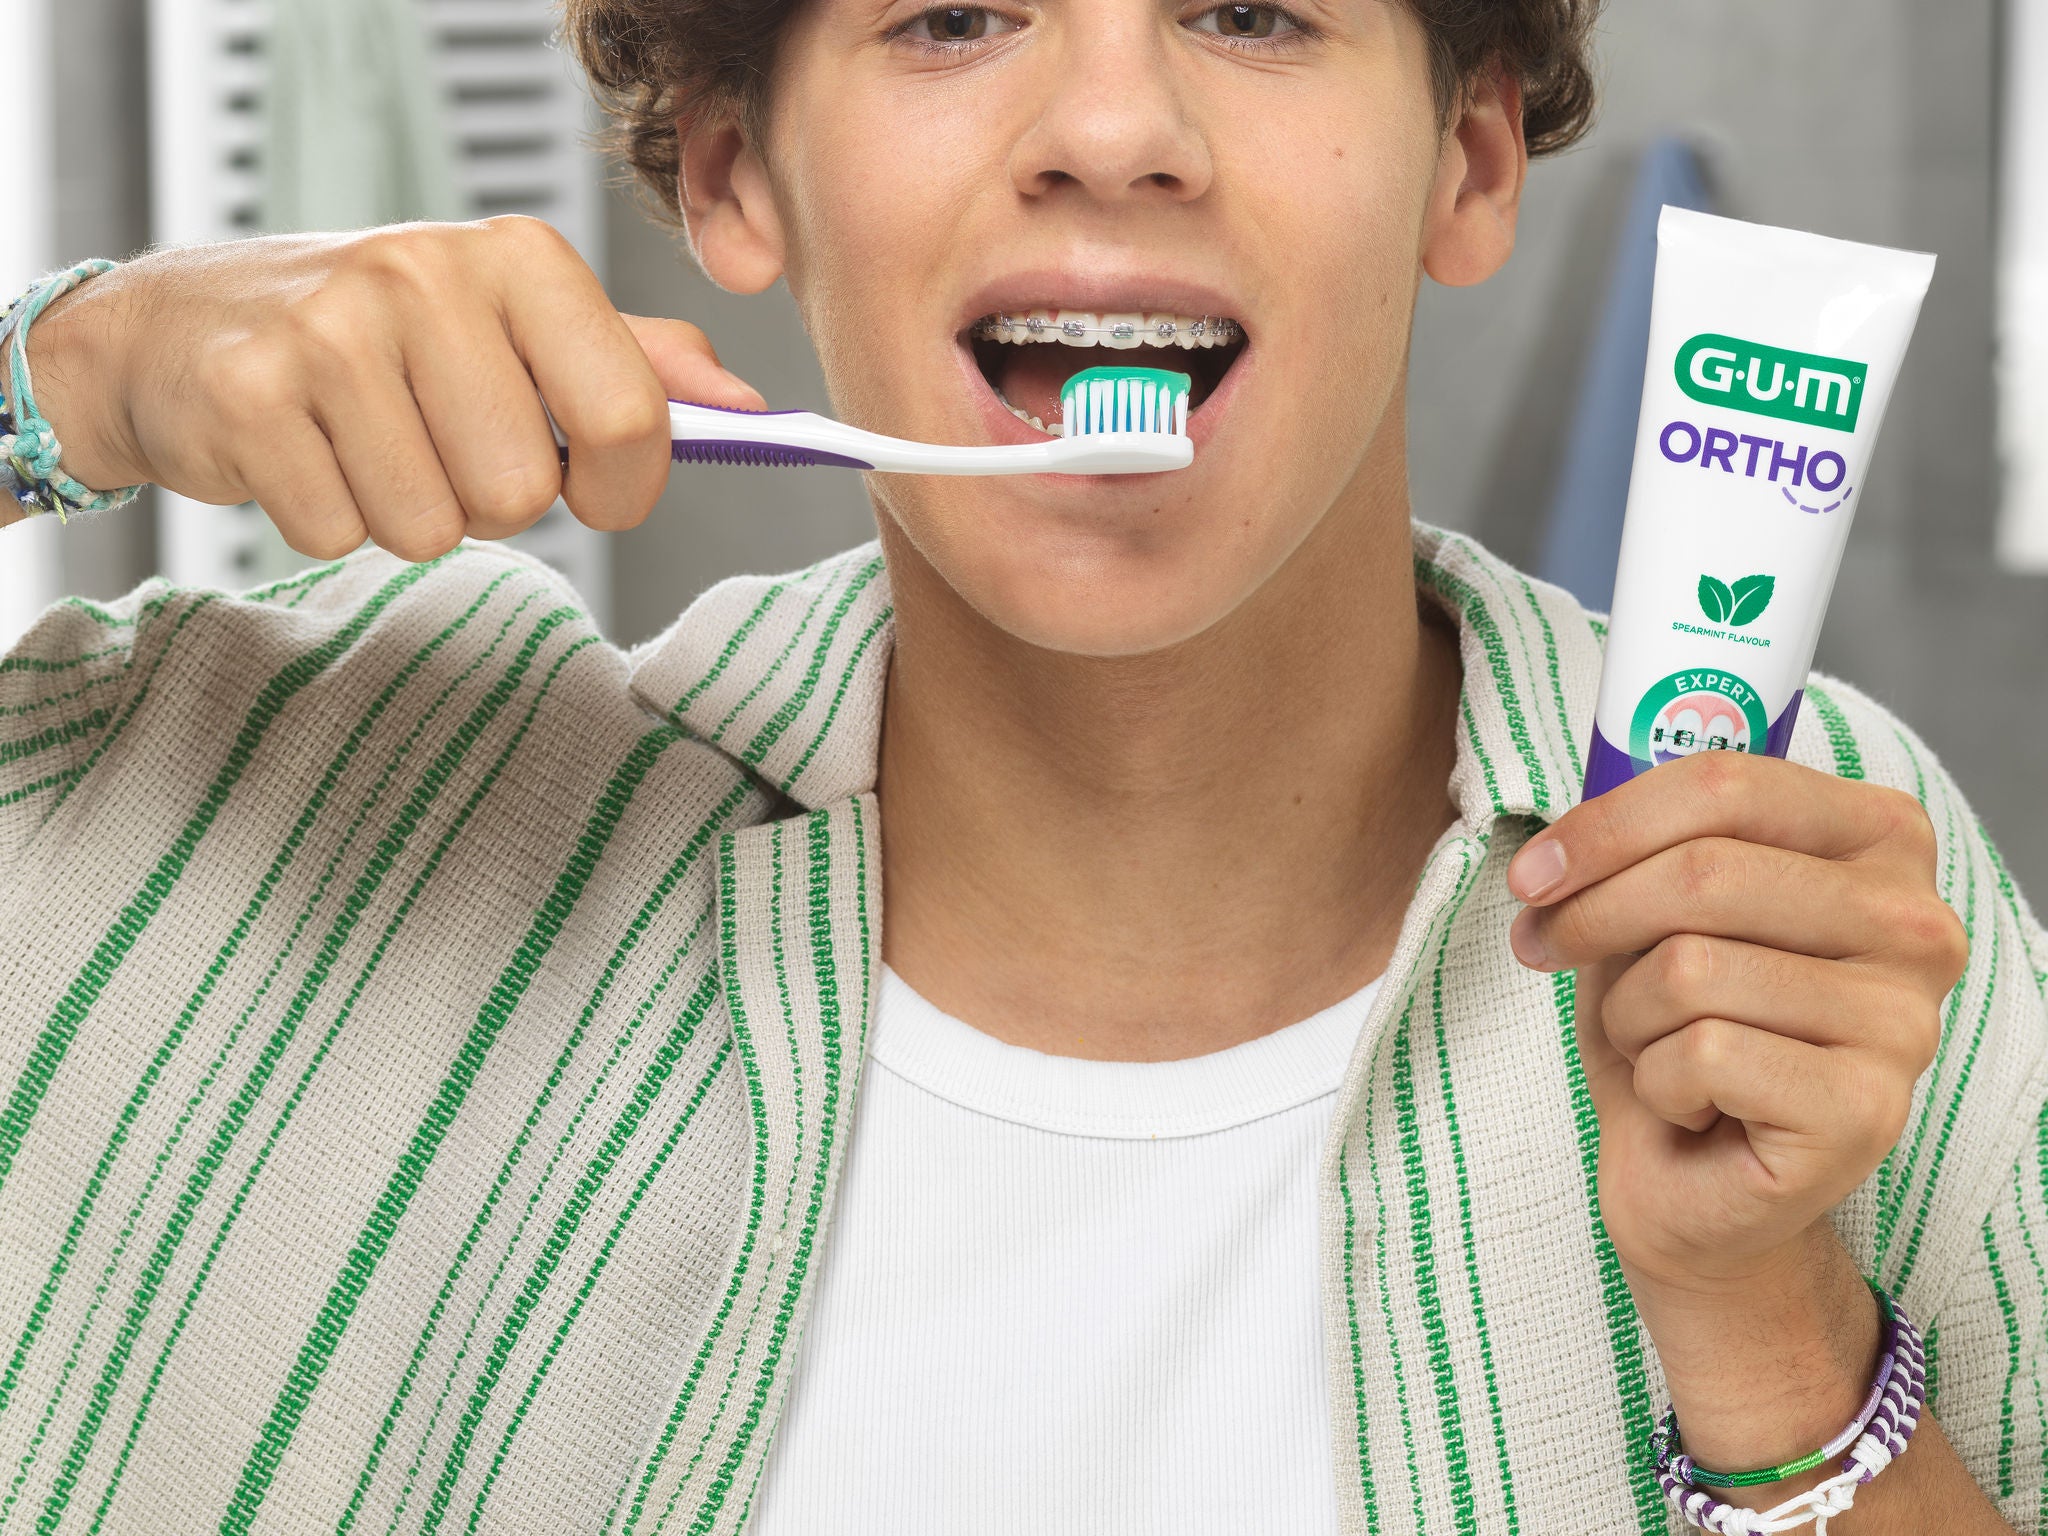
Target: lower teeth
[1057,429]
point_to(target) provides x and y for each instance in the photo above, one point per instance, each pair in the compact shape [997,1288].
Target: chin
[1115,576]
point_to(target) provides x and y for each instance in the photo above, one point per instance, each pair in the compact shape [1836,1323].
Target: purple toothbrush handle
[696,450]
[772,455]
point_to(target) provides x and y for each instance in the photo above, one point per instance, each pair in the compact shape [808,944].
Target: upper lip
[1099,291]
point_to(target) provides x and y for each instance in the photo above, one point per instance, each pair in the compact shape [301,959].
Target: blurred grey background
[1873,120]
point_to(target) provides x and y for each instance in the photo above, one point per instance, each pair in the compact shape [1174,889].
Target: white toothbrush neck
[809,433]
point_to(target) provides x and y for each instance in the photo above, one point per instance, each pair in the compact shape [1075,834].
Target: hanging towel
[1582,536]
[356,133]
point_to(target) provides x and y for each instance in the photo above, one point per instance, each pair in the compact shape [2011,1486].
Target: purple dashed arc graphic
[1790,464]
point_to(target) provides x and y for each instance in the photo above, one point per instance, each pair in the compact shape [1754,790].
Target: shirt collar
[785,675]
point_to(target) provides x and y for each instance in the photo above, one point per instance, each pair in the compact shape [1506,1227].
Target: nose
[1114,119]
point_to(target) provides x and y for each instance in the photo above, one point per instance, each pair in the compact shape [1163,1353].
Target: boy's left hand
[1762,960]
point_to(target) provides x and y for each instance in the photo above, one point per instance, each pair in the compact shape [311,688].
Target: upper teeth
[1084,328]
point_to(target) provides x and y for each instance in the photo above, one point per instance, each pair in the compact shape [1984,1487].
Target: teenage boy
[435,1036]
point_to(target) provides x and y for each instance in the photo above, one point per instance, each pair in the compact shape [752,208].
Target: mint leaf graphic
[1716,600]
[1751,596]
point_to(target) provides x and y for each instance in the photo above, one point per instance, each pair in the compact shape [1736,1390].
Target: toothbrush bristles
[1147,401]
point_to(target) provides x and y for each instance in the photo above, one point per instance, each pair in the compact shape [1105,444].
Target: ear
[728,205]
[1469,230]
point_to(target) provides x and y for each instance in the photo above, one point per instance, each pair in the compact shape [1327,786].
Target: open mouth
[1028,355]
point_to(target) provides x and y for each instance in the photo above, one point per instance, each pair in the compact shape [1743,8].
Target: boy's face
[1142,160]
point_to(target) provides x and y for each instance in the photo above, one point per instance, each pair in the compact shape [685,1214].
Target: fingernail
[1527,942]
[1537,870]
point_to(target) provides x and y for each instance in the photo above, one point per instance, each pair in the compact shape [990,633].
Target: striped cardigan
[430,1038]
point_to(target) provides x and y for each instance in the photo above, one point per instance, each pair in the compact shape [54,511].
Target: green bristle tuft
[1125,400]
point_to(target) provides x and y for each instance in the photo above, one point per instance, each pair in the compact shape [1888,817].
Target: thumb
[683,359]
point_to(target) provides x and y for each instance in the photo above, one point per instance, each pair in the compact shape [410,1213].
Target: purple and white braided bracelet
[1879,1433]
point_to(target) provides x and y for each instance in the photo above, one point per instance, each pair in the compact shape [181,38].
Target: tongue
[1031,376]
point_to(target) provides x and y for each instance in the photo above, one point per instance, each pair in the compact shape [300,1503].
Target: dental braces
[1007,327]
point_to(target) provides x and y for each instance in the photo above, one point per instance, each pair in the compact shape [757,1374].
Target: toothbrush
[1119,421]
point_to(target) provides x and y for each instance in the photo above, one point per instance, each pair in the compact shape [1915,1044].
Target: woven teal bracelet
[29,448]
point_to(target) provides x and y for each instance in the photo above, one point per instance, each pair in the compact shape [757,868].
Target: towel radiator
[2023,291]
[28,555]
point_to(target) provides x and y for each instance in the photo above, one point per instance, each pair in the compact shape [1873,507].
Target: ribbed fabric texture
[430,1039]
[1065,1297]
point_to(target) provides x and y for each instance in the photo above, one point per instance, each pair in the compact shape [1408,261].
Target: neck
[1157,857]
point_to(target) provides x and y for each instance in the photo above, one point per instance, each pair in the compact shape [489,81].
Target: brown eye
[955,24]
[1246,20]
[948,29]
[1251,23]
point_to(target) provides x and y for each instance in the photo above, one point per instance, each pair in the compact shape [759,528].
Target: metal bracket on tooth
[1009,327]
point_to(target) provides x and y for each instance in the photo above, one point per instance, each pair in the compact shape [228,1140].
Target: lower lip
[1005,427]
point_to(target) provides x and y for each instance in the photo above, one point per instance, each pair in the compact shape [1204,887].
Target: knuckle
[425,538]
[625,420]
[1953,952]
[1903,812]
[1708,1046]
[1927,928]
[1703,872]
[244,381]
[329,329]
[413,257]
[1661,1077]
[516,497]
[524,234]
[1921,923]
[1685,966]
[1718,778]
[1904,820]
[328,541]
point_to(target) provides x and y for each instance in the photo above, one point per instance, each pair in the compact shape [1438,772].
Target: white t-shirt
[1064,1296]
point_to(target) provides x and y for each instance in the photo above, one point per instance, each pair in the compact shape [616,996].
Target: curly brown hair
[650,61]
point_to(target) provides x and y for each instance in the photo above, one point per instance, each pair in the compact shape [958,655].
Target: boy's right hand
[384,384]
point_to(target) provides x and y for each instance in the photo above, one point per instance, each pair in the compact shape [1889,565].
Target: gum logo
[1697,710]
[1770,381]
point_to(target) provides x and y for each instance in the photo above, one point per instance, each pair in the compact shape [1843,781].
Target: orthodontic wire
[1003,327]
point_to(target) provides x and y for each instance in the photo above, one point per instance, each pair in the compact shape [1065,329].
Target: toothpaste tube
[1772,357]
